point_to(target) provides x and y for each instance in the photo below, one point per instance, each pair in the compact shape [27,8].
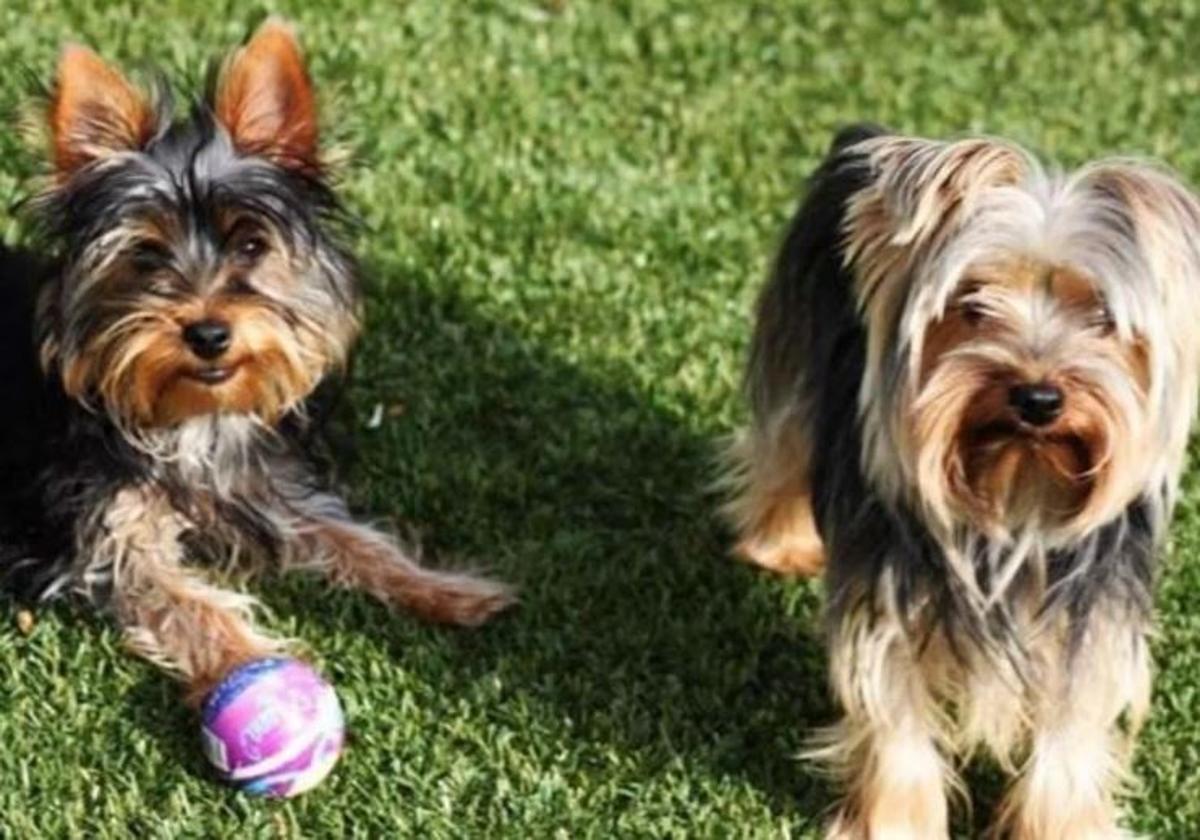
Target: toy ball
[273,727]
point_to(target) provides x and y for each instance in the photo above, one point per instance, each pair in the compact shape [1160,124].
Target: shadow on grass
[634,625]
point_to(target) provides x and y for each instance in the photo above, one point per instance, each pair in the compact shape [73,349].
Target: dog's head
[201,275]
[1031,354]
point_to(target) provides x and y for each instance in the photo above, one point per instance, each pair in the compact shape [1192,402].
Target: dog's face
[200,275]
[1032,363]
[1028,399]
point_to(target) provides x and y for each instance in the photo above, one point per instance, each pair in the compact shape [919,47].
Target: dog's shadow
[634,624]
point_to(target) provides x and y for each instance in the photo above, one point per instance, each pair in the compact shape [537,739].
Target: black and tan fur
[972,381]
[168,362]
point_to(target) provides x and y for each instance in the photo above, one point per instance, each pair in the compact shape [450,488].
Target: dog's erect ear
[265,100]
[94,112]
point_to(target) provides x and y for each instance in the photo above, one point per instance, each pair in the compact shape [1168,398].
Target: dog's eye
[972,311]
[247,243]
[1101,318]
[147,257]
[251,248]
[247,249]
[968,305]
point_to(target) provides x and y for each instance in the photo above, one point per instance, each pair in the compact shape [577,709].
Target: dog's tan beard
[1016,481]
[973,463]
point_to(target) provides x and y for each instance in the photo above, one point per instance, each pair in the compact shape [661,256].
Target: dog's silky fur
[989,568]
[167,363]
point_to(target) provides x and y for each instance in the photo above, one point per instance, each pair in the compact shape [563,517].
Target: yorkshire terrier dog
[972,381]
[167,364]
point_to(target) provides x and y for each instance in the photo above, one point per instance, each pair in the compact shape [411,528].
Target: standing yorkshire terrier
[200,299]
[972,383]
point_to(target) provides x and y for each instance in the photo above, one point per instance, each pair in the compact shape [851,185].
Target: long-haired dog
[972,381]
[167,364]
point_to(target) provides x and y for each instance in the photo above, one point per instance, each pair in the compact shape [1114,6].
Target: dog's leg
[323,538]
[772,508]
[170,614]
[886,745]
[1080,750]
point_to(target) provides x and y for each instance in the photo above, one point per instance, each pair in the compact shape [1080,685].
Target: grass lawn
[567,209]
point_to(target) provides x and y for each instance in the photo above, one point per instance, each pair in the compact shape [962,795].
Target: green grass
[567,211]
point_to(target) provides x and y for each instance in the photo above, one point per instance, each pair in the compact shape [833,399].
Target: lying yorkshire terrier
[200,300]
[972,382]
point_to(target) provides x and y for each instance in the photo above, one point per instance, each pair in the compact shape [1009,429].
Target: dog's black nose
[208,339]
[1038,404]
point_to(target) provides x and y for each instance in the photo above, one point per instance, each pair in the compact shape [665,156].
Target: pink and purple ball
[273,727]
